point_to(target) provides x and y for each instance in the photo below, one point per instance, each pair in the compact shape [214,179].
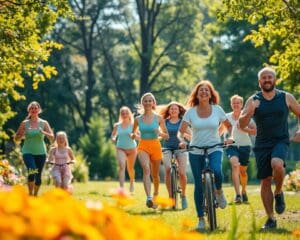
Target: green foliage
[80,169]
[278,24]
[99,152]
[24,24]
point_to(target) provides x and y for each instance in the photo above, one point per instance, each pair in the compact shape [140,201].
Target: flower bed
[57,215]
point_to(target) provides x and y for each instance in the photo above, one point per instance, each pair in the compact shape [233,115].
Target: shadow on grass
[146,213]
[276,230]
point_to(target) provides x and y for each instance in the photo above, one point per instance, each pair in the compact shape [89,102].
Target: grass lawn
[234,222]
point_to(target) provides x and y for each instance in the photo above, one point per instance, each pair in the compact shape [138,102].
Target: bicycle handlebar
[60,164]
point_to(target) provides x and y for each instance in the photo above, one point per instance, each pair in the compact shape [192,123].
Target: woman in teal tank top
[125,146]
[151,127]
[33,129]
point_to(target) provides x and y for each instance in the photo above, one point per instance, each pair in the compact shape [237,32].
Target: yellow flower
[164,202]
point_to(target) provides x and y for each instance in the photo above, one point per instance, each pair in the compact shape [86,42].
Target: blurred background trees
[116,50]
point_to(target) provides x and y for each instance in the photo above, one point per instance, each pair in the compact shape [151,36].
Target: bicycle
[174,173]
[208,185]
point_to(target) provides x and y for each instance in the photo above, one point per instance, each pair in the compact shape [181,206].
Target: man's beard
[268,89]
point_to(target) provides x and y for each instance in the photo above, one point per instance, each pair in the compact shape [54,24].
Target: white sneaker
[221,200]
[201,225]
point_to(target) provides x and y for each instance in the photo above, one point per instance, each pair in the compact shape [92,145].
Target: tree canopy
[25,49]
[278,25]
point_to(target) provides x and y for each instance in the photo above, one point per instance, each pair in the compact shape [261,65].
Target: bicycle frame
[175,188]
[208,186]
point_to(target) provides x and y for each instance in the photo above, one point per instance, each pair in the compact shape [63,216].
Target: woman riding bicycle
[204,117]
[173,113]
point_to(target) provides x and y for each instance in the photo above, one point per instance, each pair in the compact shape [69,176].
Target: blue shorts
[263,158]
[241,152]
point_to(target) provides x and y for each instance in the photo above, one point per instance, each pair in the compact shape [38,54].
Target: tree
[24,48]
[278,24]
[168,45]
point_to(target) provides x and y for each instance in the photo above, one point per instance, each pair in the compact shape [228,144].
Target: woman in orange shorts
[151,127]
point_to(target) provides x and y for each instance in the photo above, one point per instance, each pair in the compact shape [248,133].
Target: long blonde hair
[64,134]
[131,119]
[140,108]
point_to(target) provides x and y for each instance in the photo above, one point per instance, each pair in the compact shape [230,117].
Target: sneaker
[200,225]
[184,204]
[279,203]
[131,188]
[238,199]
[149,202]
[245,197]
[221,200]
[270,223]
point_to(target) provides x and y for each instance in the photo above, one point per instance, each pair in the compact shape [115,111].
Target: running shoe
[184,204]
[238,199]
[270,224]
[221,200]
[245,197]
[201,225]
[279,203]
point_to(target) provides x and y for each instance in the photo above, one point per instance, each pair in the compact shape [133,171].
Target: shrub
[292,180]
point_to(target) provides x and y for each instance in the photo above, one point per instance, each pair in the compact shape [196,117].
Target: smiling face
[236,104]
[34,109]
[267,81]
[204,93]
[148,102]
[174,111]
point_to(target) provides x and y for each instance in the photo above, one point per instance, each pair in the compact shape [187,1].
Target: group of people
[33,129]
[201,122]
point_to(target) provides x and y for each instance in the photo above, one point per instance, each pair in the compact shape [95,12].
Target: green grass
[234,222]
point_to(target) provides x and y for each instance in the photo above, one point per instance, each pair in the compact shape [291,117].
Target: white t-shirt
[205,130]
[240,138]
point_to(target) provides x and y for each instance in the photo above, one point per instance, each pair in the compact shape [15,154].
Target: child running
[61,155]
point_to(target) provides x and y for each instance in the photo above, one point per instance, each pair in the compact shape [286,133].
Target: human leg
[197,165]
[155,164]
[182,162]
[167,165]
[243,178]
[215,161]
[131,158]
[145,164]
[121,157]
[235,167]
[31,168]
[40,162]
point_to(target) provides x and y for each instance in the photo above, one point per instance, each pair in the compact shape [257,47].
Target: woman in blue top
[205,117]
[151,127]
[126,147]
[33,129]
[173,113]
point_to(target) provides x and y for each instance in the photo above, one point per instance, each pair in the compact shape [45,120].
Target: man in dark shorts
[269,109]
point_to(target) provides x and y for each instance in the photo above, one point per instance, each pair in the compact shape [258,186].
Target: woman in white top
[204,117]
[239,152]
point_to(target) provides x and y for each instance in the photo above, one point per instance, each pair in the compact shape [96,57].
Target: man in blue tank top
[269,109]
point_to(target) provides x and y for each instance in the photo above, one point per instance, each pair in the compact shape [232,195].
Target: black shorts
[241,152]
[263,158]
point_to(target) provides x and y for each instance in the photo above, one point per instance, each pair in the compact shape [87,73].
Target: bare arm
[20,132]
[134,134]
[164,132]
[295,108]
[248,112]
[47,131]
[71,154]
[51,155]
[114,133]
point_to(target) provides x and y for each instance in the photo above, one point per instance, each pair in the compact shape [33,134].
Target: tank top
[173,140]
[271,120]
[34,140]
[240,138]
[148,131]
[124,141]
[61,156]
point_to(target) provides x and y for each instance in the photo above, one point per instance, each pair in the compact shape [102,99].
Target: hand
[254,104]
[182,145]
[296,137]
[132,135]
[228,141]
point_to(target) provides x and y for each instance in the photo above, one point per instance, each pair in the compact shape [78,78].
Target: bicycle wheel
[209,201]
[174,192]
